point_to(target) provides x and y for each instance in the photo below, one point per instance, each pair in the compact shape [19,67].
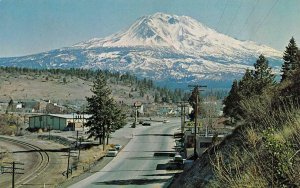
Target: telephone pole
[136,105]
[182,106]
[69,169]
[196,91]
[12,170]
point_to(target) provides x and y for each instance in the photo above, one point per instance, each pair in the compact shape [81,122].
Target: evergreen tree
[9,106]
[156,98]
[262,75]
[252,83]
[292,90]
[240,90]
[115,118]
[291,61]
[246,85]
[103,109]
[232,100]
[142,93]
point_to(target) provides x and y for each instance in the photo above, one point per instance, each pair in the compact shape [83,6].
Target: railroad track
[41,166]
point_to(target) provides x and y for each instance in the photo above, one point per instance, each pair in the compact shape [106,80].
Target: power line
[232,20]
[250,14]
[222,12]
[265,18]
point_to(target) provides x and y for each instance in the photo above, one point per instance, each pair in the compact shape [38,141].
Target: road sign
[137,104]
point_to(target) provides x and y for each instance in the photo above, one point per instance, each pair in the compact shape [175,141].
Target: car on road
[146,124]
[112,152]
[178,159]
[133,125]
[178,135]
[166,121]
[118,146]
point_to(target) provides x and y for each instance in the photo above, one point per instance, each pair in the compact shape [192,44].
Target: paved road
[135,165]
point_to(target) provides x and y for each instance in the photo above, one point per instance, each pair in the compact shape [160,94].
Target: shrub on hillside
[266,153]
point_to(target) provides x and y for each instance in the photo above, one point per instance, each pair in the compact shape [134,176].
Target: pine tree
[293,89]
[156,98]
[105,113]
[291,61]
[246,84]
[115,118]
[262,75]
[232,100]
[254,82]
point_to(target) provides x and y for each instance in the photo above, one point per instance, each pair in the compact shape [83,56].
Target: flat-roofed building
[58,121]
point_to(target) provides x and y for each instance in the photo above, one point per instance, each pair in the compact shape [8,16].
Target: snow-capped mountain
[166,48]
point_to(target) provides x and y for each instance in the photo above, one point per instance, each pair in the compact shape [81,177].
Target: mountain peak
[170,48]
[159,29]
[166,18]
[180,33]
[171,19]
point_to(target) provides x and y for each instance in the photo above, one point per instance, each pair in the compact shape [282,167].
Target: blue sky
[32,26]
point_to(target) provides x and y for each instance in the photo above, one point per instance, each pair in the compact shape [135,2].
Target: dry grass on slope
[269,155]
[263,152]
[52,87]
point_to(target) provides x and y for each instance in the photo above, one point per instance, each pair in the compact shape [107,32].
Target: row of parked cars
[112,152]
[178,162]
[147,123]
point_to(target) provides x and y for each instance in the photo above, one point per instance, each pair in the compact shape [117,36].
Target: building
[3,106]
[31,106]
[204,142]
[54,108]
[58,121]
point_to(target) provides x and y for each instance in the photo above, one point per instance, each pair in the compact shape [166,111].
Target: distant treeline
[143,86]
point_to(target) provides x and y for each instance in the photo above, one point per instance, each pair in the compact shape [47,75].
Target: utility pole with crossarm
[182,105]
[12,170]
[196,91]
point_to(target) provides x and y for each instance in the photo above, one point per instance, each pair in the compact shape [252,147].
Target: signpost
[136,105]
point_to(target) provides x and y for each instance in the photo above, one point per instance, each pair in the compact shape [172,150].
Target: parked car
[166,121]
[146,124]
[112,152]
[178,135]
[178,159]
[118,146]
[133,125]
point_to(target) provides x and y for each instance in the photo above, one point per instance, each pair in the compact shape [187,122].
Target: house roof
[71,116]
[65,116]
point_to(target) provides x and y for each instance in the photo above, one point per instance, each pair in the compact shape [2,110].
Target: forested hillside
[264,149]
[71,84]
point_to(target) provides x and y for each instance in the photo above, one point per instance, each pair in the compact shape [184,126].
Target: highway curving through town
[138,163]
